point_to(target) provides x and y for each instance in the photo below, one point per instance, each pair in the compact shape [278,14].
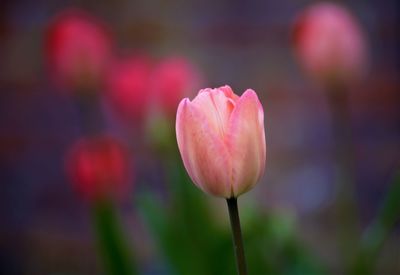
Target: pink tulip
[330,43]
[221,139]
[128,87]
[78,48]
[99,168]
[173,79]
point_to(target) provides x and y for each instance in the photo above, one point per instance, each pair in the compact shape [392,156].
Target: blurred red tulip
[99,168]
[173,79]
[330,43]
[128,83]
[78,49]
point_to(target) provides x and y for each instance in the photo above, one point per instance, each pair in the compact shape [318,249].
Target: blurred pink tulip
[128,87]
[99,168]
[221,139]
[173,79]
[78,48]
[330,43]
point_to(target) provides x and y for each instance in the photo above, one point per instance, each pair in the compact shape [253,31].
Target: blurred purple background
[44,226]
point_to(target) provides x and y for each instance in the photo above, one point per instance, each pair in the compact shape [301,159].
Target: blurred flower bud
[173,79]
[78,49]
[330,44]
[128,89]
[99,168]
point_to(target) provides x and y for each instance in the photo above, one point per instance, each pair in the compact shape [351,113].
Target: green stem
[344,155]
[92,121]
[237,235]
[114,249]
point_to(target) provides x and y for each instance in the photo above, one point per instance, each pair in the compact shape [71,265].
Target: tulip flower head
[78,49]
[330,43]
[128,87]
[99,168]
[173,79]
[221,139]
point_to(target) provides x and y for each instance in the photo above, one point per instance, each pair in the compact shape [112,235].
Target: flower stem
[237,235]
[117,257]
[346,212]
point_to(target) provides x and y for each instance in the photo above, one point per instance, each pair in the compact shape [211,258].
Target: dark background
[44,226]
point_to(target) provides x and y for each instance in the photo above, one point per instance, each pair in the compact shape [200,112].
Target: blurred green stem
[237,235]
[90,115]
[113,247]
[344,155]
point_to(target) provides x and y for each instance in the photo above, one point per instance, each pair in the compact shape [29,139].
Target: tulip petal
[203,152]
[246,142]
[228,92]
[217,108]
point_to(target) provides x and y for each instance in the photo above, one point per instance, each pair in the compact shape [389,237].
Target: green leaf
[379,230]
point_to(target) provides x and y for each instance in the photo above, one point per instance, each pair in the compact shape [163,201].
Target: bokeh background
[45,227]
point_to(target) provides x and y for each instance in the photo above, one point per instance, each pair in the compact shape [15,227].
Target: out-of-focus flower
[221,139]
[330,43]
[128,87]
[99,168]
[78,49]
[173,79]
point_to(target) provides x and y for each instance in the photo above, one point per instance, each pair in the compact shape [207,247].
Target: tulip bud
[99,168]
[221,139]
[128,87]
[173,79]
[330,43]
[78,49]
